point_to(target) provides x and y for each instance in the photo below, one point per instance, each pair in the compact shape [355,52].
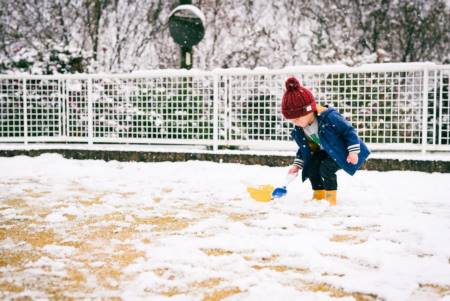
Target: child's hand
[294,169]
[352,158]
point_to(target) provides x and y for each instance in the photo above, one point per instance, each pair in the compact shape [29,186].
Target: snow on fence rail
[393,106]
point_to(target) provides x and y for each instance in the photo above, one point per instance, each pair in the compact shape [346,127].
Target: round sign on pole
[186,25]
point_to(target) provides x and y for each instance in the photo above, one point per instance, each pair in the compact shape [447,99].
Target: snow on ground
[189,231]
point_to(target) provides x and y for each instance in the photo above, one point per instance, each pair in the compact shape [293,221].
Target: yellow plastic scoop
[262,193]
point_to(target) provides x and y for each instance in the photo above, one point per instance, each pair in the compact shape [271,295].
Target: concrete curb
[249,159]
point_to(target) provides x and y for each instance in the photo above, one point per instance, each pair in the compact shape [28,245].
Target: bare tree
[124,35]
[372,17]
[420,31]
[335,32]
[94,12]
[31,29]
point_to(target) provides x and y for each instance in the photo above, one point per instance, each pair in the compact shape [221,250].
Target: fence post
[25,111]
[216,112]
[435,105]
[441,99]
[63,98]
[227,109]
[67,110]
[425,109]
[90,113]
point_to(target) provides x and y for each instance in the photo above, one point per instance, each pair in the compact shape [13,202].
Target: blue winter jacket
[337,138]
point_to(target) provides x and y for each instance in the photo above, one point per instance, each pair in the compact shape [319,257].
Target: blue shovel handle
[279,192]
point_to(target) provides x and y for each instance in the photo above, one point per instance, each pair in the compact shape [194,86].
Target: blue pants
[322,171]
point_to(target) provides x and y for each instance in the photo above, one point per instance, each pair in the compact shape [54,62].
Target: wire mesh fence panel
[43,107]
[112,109]
[162,108]
[11,109]
[222,108]
[403,106]
[75,95]
[443,109]
[255,109]
[384,107]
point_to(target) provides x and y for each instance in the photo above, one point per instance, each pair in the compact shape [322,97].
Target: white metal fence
[393,106]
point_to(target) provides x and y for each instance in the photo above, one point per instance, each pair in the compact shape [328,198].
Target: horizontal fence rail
[392,106]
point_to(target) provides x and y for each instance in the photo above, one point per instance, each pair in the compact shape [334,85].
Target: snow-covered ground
[189,231]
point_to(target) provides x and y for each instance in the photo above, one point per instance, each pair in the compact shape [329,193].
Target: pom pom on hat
[297,100]
[292,84]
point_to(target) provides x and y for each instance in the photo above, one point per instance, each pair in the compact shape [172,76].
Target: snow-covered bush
[52,61]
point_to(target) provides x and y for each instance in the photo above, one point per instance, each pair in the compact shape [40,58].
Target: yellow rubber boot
[330,196]
[318,194]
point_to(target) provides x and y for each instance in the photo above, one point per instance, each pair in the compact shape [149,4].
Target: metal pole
[424,109]
[435,104]
[216,113]
[60,110]
[25,109]
[186,52]
[67,109]
[186,58]
[441,97]
[90,113]
[229,96]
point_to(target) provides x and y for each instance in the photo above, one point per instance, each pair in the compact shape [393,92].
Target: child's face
[303,121]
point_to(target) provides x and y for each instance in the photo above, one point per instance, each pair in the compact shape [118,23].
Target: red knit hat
[297,100]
